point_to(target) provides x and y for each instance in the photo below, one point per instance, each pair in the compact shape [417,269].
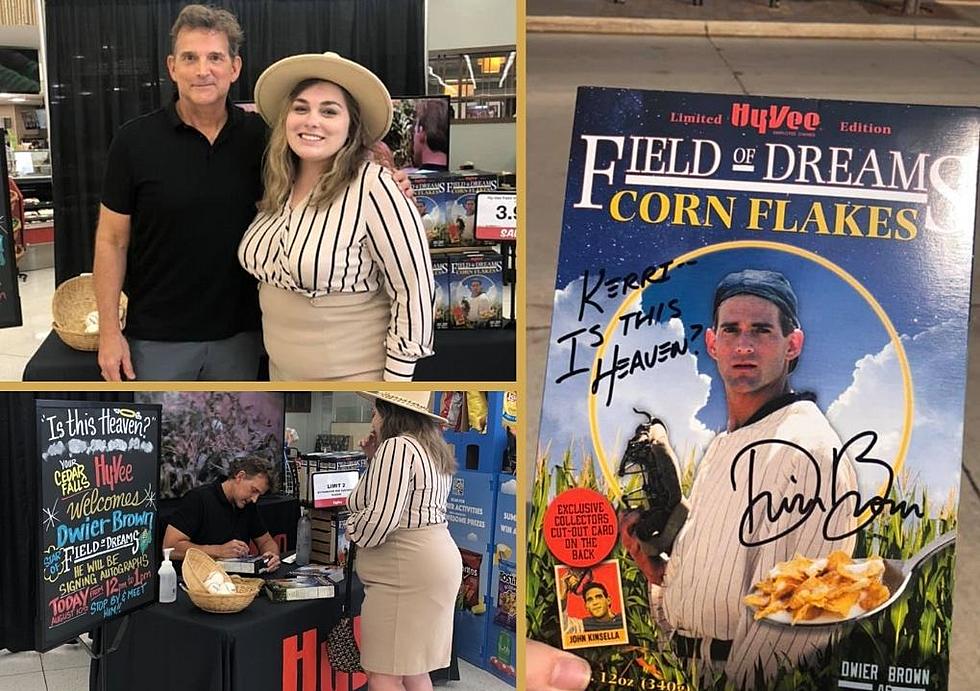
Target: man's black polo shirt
[189,204]
[208,518]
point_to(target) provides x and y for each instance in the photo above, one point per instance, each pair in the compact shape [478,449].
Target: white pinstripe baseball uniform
[710,570]
[367,239]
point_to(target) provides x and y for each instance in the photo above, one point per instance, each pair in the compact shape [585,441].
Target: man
[466,221]
[221,518]
[478,302]
[180,188]
[430,219]
[597,601]
[732,538]
[430,140]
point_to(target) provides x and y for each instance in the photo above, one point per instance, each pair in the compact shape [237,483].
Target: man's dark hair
[594,585]
[212,19]
[253,465]
[432,117]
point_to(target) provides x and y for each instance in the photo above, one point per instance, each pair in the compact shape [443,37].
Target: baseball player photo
[756,340]
[590,605]
[464,216]
[431,216]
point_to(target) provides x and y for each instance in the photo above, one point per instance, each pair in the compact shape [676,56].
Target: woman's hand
[369,445]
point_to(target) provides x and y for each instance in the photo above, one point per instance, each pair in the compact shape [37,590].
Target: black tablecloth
[476,355]
[266,646]
[54,361]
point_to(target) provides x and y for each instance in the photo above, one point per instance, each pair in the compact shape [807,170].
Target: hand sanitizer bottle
[304,539]
[168,578]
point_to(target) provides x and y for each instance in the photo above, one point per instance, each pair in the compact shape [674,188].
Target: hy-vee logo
[773,118]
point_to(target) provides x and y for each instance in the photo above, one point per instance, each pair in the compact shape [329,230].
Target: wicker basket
[197,566]
[73,301]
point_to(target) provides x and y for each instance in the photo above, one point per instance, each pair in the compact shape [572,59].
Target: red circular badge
[580,527]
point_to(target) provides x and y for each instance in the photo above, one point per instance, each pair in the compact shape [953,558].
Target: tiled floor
[17,344]
[66,669]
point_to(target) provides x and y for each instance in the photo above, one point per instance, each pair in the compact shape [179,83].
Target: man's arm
[568,624]
[109,270]
[383,156]
[404,184]
[652,568]
[181,542]
[268,547]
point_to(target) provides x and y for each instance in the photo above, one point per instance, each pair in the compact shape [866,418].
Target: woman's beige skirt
[336,337]
[410,586]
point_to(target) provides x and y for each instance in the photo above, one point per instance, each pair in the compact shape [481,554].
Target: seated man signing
[220,518]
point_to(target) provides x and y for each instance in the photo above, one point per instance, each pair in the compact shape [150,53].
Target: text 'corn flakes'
[807,589]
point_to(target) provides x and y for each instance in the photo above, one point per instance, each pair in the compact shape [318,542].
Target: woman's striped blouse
[401,489]
[367,238]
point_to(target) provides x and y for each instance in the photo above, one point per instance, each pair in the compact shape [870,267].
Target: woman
[346,284]
[410,567]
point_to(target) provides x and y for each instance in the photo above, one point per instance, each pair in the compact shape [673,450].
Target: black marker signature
[803,505]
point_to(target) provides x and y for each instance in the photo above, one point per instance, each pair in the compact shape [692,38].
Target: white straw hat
[416,401]
[277,81]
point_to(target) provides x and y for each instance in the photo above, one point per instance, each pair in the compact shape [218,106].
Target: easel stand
[101,653]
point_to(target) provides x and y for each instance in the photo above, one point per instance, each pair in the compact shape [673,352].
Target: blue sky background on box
[923,285]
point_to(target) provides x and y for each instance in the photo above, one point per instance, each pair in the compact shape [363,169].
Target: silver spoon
[898,573]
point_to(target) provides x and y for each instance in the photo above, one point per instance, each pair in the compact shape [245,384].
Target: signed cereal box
[751,439]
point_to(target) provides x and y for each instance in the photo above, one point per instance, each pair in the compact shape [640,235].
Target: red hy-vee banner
[303,656]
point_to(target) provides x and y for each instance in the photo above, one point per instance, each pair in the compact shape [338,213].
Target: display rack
[480,451]
[38,221]
[481,518]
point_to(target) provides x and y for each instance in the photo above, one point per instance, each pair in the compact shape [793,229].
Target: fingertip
[570,673]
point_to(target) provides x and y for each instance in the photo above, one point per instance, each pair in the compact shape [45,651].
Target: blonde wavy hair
[280,164]
[396,421]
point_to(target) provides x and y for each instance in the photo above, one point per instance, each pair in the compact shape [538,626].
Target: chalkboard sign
[10,314]
[98,471]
